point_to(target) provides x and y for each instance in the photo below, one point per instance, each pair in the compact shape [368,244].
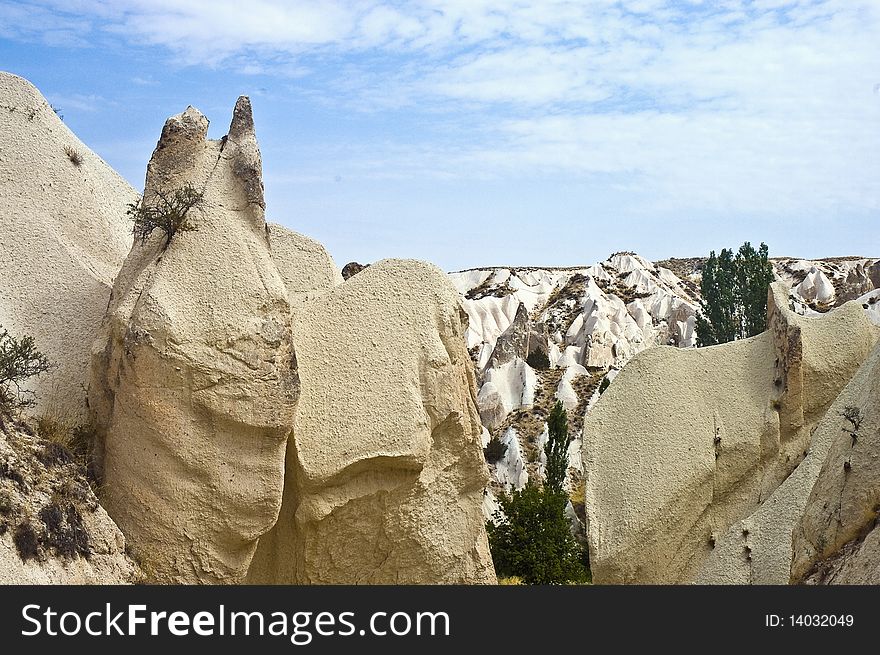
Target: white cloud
[731,103]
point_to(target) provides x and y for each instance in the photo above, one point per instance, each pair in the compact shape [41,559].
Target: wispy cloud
[723,103]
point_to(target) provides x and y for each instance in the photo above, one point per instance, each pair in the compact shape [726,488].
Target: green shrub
[531,539]
[538,360]
[168,212]
[495,450]
[19,360]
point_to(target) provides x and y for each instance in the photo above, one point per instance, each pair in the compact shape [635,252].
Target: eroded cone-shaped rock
[194,381]
[837,538]
[514,341]
[686,443]
[385,472]
[63,237]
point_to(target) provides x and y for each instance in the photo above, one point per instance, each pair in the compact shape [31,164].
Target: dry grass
[512,580]
[74,156]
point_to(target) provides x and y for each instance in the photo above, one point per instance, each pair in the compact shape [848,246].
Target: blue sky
[484,132]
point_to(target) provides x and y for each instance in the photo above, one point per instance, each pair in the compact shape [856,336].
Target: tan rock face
[63,237]
[385,473]
[685,444]
[836,539]
[194,381]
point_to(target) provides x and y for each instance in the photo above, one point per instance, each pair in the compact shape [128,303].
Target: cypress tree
[734,289]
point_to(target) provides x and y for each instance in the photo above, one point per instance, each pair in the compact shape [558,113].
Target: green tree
[19,360]
[556,449]
[530,536]
[734,290]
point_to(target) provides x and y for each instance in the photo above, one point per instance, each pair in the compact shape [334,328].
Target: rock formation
[224,341]
[52,529]
[194,378]
[63,237]
[836,540]
[385,471]
[686,443]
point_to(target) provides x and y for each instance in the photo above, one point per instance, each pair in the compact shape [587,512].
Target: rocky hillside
[541,334]
[52,529]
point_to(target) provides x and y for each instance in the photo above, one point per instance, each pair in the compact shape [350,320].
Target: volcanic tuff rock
[44,494]
[836,540]
[385,471]
[194,382]
[684,444]
[63,237]
[196,387]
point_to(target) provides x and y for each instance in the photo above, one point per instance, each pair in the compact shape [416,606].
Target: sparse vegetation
[853,416]
[168,212]
[65,532]
[74,156]
[19,361]
[65,440]
[734,290]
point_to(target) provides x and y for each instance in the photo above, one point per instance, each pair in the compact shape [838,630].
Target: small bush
[168,212]
[74,157]
[538,360]
[65,532]
[495,450]
[26,542]
[531,539]
[19,360]
[604,385]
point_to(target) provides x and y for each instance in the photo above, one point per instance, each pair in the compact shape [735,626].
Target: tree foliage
[495,450]
[167,212]
[531,537]
[19,360]
[734,290]
[556,449]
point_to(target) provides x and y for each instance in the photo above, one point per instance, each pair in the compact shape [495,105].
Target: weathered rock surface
[836,540]
[514,341]
[44,494]
[63,237]
[194,382]
[686,443]
[305,265]
[385,470]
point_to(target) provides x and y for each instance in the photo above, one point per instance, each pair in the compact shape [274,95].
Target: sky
[485,132]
